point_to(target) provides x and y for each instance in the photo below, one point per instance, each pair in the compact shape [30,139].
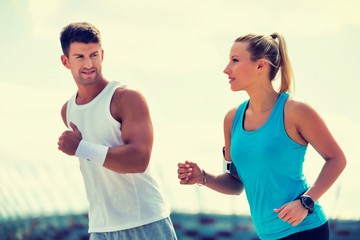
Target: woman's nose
[226,70]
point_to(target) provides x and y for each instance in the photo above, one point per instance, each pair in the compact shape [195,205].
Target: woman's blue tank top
[270,165]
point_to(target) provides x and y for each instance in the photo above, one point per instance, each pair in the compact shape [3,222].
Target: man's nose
[88,63]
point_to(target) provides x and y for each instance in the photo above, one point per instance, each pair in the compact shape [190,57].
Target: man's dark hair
[78,32]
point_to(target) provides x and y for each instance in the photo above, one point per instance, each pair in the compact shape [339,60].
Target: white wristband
[92,152]
[226,166]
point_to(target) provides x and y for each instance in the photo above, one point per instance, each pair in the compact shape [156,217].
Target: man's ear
[65,61]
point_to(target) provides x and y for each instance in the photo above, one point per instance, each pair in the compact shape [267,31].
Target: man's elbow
[142,161]
[143,165]
[137,161]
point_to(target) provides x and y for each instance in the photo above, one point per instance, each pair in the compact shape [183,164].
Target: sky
[174,52]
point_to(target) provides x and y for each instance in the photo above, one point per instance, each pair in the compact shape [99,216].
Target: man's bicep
[136,125]
[137,130]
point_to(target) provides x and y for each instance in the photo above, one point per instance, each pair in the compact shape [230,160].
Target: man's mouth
[88,72]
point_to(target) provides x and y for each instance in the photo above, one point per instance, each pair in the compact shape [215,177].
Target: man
[110,131]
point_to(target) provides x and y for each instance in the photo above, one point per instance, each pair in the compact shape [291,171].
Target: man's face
[84,61]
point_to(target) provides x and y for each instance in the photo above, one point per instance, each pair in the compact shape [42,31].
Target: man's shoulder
[127,102]
[126,93]
[128,99]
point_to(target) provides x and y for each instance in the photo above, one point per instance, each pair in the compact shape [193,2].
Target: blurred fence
[47,201]
[187,226]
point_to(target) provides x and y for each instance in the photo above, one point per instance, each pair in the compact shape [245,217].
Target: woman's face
[241,70]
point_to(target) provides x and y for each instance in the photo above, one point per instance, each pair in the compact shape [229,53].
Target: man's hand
[69,140]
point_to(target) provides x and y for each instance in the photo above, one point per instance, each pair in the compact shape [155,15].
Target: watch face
[309,202]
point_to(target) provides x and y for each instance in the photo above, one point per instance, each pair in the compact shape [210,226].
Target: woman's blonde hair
[262,46]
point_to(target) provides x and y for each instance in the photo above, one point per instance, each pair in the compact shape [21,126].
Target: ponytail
[285,65]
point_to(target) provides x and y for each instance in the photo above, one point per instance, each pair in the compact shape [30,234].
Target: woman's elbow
[341,161]
[239,190]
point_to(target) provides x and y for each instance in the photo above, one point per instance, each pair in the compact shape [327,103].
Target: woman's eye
[235,60]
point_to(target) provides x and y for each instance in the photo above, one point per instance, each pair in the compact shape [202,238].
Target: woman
[266,138]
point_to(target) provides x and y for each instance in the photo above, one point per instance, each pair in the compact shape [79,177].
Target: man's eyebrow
[80,55]
[77,55]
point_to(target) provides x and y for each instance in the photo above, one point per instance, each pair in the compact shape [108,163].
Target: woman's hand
[292,212]
[189,173]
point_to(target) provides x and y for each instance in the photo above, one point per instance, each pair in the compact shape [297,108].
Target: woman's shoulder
[231,113]
[298,108]
[296,104]
[229,118]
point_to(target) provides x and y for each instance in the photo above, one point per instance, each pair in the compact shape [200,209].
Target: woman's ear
[65,61]
[261,64]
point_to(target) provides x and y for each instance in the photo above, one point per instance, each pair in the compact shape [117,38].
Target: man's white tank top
[116,201]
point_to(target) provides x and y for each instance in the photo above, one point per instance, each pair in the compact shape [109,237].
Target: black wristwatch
[307,202]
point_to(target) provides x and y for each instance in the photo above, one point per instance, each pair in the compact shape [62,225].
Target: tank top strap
[278,111]
[238,119]
[111,90]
